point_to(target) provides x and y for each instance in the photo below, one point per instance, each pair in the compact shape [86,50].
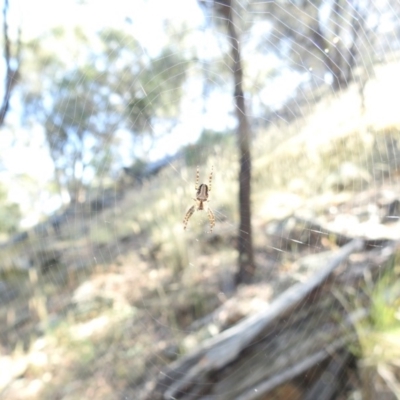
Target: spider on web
[201,197]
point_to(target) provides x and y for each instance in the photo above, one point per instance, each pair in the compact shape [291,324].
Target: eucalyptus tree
[110,84]
[336,39]
[146,89]
[227,12]
[70,103]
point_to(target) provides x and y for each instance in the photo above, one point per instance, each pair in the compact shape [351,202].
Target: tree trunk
[340,60]
[11,73]
[245,244]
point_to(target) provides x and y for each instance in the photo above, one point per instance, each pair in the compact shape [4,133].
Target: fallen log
[302,327]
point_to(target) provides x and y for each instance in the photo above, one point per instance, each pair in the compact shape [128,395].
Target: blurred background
[106,111]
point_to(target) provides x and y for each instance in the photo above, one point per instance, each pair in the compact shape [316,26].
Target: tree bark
[11,73]
[245,243]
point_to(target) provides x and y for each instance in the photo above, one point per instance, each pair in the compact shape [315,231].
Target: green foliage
[10,214]
[386,300]
[378,334]
[82,103]
[148,89]
[137,168]
[194,153]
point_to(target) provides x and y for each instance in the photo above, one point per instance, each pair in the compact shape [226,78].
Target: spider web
[100,295]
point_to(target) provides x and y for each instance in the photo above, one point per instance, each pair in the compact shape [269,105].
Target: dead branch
[267,343]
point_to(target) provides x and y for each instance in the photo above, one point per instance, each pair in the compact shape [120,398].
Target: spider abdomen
[202,192]
[201,197]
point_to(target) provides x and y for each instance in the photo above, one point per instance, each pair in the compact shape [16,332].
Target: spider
[201,197]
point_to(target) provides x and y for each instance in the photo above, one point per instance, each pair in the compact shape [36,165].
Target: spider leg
[211,218]
[197,178]
[187,216]
[210,178]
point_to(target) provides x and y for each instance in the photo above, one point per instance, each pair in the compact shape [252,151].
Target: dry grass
[379,338]
[130,281]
